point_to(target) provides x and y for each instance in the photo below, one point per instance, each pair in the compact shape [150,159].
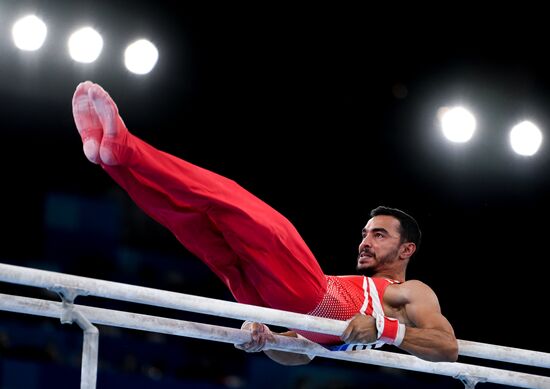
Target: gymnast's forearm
[430,344]
[288,358]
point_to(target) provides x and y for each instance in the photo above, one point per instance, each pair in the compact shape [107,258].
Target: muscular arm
[428,334]
[431,337]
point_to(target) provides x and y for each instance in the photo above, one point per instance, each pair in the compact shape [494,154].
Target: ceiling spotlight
[458,124]
[141,57]
[525,138]
[85,45]
[29,33]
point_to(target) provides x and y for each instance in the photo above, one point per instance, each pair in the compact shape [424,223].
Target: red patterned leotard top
[345,297]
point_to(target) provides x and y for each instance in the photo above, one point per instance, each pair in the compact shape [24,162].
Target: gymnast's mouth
[365,256]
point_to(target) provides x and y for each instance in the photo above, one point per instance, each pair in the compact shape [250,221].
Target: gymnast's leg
[255,250]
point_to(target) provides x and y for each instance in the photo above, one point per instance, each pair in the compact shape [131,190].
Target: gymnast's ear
[406,250]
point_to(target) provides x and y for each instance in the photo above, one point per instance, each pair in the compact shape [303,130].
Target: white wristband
[400,334]
[389,330]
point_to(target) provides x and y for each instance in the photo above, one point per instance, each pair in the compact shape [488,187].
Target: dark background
[324,112]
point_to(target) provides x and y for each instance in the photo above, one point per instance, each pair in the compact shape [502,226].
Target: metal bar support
[90,344]
[470,381]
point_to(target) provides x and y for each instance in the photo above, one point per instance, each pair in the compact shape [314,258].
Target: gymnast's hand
[360,329]
[259,336]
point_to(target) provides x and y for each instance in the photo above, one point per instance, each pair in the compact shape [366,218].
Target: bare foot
[87,122]
[100,126]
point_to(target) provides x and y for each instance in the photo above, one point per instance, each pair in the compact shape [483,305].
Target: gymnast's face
[380,244]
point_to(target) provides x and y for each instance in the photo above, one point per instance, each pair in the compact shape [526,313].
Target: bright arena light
[525,138]
[85,45]
[29,33]
[141,57]
[458,124]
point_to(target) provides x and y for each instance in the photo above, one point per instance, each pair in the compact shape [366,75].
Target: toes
[113,143]
[105,108]
[84,114]
[87,122]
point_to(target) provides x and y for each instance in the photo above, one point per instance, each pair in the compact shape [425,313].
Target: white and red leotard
[345,297]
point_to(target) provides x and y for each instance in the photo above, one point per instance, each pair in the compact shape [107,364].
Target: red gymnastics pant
[251,247]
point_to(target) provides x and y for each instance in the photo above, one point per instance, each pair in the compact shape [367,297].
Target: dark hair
[410,231]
